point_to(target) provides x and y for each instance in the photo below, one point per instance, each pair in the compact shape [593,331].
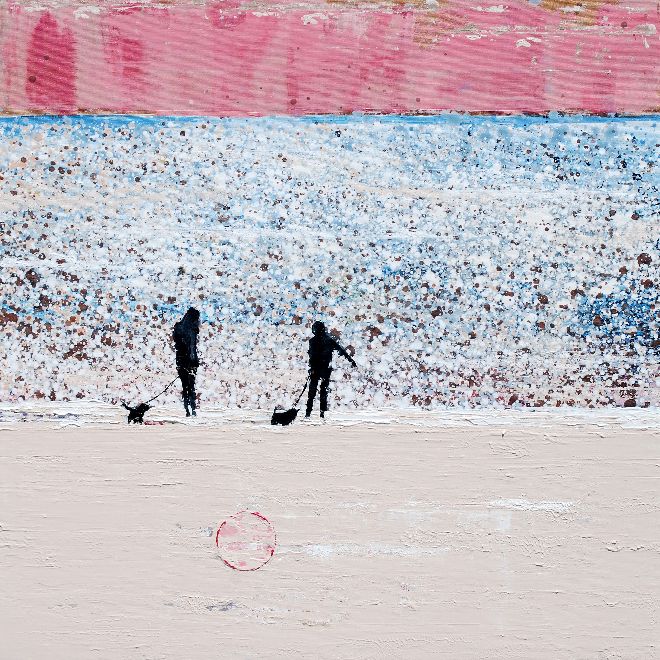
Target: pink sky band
[208,59]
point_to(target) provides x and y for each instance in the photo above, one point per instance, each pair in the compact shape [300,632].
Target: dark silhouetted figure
[321,348]
[187,361]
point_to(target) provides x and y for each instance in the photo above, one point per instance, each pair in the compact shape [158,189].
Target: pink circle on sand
[246,541]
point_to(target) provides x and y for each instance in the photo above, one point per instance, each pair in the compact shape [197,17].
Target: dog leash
[302,392]
[163,392]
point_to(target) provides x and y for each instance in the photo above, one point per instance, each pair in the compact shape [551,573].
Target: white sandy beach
[473,535]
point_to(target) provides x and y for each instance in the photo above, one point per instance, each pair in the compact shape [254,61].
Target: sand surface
[394,541]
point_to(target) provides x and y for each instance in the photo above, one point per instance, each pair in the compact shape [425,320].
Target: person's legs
[192,395]
[311,394]
[185,377]
[325,388]
[182,378]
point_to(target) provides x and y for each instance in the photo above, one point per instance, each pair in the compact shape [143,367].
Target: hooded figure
[321,348]
[187,361]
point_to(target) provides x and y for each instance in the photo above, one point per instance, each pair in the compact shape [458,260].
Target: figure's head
[192,315]
[318,328]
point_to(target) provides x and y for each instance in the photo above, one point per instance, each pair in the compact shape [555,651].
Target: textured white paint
[526,505]
[94,413]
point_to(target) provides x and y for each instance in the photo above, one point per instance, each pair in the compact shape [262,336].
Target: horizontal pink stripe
[210,60]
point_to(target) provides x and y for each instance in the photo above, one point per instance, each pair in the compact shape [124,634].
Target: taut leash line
[302,392]
[163,392]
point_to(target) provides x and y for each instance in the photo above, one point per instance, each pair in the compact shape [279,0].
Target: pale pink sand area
[535,538]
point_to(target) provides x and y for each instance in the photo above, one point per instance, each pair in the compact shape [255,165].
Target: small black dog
[283,417]
[136,413]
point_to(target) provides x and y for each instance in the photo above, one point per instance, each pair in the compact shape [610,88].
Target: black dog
[284,417]
[136,414]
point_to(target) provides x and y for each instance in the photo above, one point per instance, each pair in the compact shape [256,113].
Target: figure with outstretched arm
[187,361]
[321,347]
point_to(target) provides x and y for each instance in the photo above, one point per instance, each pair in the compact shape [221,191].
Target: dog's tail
[123,403]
